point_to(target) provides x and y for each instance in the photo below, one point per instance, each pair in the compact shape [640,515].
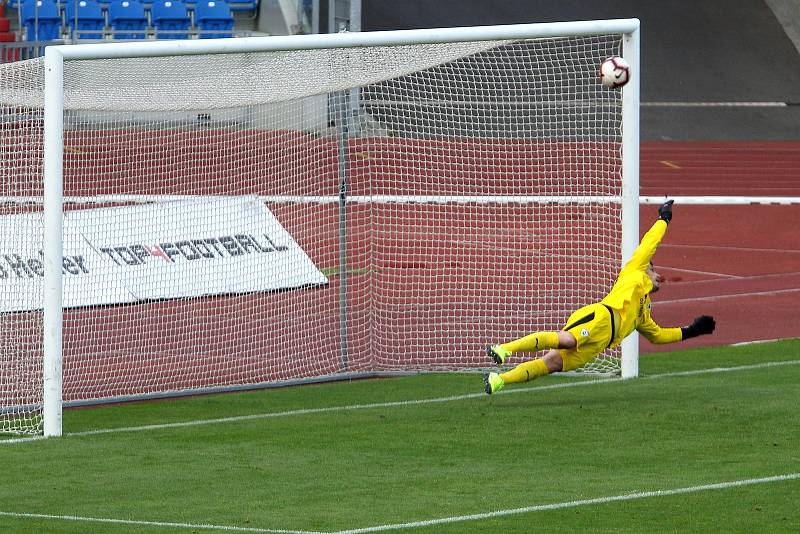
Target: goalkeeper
[602,325]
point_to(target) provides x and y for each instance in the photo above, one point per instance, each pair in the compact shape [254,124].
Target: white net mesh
[21,153]
[481,184]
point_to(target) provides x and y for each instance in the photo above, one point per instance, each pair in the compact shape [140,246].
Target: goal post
[53,243]
[629,359]
[288,209]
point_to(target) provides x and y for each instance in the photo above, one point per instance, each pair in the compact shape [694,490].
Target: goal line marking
[429,522]
[412,402]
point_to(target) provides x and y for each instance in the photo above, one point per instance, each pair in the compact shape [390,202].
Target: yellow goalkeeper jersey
[630,296]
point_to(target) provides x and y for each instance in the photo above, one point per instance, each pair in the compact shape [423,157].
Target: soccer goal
[199,216]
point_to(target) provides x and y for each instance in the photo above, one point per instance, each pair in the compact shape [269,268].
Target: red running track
[738,263]
[753,168]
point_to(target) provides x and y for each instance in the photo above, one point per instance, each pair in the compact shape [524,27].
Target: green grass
[541,443]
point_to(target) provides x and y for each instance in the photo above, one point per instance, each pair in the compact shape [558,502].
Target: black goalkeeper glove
[702,325]
[665,211]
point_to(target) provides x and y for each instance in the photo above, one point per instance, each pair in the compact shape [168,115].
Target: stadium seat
[170,19]
[127,19]
[213,19]
[41,20]
[243,5]
[85,19]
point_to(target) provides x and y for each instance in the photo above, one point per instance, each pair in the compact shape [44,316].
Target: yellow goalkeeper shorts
[593,327]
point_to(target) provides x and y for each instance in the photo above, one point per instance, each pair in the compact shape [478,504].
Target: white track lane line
[413,402]
[730,248]
[746,278]
[731,296]
[661,267]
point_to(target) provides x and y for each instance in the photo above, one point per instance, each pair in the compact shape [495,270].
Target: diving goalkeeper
[596,327]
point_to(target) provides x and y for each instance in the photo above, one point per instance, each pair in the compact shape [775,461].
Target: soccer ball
[615,72]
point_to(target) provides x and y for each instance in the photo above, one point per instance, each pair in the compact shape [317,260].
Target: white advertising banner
[191,248]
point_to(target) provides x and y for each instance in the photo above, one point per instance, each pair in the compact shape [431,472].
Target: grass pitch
[706,439]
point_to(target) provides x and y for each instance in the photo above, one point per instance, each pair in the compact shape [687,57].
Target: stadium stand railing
[22,50]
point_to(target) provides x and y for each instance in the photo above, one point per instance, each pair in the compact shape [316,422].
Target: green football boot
[492,383]
[498,354]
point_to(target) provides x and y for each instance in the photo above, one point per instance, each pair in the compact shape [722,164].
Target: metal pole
[315,16]
[355,93]
[342,124]
[630,182]
[53,240]
[355,16]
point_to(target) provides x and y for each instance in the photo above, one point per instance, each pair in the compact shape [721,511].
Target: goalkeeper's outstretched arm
[657,335]
[647,246]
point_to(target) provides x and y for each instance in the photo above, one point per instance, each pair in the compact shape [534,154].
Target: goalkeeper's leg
[524,372]
[531,343]
[532,369]
[534,342]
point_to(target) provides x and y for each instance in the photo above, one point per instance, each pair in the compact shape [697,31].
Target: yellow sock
[533,342]
[525,372]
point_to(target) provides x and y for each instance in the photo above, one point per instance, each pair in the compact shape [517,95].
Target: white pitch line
[133,522]
[428,522]
[575,504]
[413,402]
[756,342]
[453,519]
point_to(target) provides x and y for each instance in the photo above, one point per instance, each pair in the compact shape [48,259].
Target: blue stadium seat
[85,19]
[243,5]
[41,20]
[213,19]
[128,19]
[170,19]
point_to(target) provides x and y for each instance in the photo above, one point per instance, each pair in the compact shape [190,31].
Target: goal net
[272,216]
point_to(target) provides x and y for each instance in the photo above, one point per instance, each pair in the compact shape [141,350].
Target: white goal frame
[55,56]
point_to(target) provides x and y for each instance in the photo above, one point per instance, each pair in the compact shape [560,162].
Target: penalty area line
[577,503]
